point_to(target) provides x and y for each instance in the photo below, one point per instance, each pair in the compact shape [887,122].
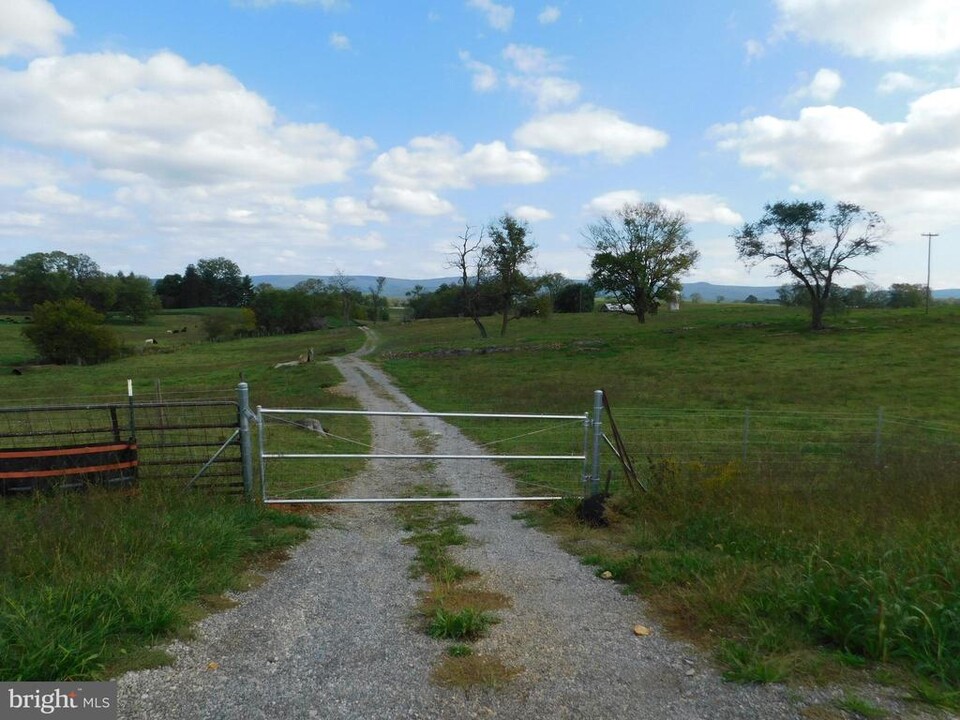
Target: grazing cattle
[150,341]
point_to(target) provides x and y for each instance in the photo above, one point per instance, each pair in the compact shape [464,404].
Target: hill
[399,287]
[394,287]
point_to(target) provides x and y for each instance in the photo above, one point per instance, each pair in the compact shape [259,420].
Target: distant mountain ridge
[393,287]
[398,287]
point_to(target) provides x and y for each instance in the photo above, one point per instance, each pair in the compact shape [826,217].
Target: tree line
[640,253]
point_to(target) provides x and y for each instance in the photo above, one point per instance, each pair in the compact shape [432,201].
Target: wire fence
[804,443]
[190,442]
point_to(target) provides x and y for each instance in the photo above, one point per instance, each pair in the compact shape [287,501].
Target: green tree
[812,244]
[135,297]
[191,288]
[70,331]
[640,255]
[574,298]
[222,285]
[507,254]
[217,325]
[168,289]
[53,276]
[905,295]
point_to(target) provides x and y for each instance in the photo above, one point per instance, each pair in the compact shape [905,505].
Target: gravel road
[333,632]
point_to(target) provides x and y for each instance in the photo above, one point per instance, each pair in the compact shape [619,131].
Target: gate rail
[581,457]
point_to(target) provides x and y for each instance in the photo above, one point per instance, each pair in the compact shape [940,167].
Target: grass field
[89,581]
[800,520]
[825,546]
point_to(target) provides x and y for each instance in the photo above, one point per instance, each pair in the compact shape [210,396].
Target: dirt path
[333,634]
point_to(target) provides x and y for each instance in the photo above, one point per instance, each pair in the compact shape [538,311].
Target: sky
[365,136]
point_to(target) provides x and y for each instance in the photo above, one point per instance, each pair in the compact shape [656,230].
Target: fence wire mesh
[176,439]
[770,443]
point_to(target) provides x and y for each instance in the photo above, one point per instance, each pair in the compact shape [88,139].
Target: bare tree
[344,286]
[469,258]
[811,245]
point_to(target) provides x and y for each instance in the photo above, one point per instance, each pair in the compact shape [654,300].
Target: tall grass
[85,578]
[88,580]
[824,543]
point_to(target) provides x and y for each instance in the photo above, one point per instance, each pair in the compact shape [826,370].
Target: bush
[576,297]
[217,325]
[70,331]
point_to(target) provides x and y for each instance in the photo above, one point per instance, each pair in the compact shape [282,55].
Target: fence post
[133,424]
[746,433]
[878,443]
[246,454]
[597,433]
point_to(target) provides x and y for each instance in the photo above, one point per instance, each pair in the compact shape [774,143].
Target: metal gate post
[261,438]
[597,434]
[246,453]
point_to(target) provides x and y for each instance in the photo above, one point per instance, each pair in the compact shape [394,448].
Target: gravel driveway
[333,632]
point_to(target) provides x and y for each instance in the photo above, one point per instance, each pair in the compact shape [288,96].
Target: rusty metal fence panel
[192,443]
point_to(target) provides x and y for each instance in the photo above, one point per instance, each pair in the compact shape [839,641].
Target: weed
[474,670]
[857,705]
[465,624]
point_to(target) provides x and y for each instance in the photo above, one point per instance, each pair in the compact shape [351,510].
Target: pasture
[825,545]
[88,581]
[800,521]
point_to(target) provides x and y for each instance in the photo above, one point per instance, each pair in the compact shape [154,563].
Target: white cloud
[546,92]
[611,202]
[31,27]
[352,211]
[500,17]
[534,66]
[754,48]
[697,208]
[822,88]
[339,41]
[484,76]
[549,15]
[532,214]
[879,29]
[168,121]
[590,130]
[438,161]
[530,59]
[20,168]
[371,241]
[17,220]
[418,202]
[893,82]
[912,166]
[703,209]
[408,177]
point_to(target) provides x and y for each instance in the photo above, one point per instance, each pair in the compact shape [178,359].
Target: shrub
[70,331]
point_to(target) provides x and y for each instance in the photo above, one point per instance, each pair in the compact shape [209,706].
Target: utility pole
[929,237]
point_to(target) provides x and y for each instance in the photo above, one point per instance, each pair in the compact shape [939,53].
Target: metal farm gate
[187,443]
[290,447]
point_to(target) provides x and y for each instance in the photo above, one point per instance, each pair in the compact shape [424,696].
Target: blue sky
[312,136]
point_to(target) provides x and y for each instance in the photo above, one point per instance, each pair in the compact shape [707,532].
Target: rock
[606,575]
[641,630]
